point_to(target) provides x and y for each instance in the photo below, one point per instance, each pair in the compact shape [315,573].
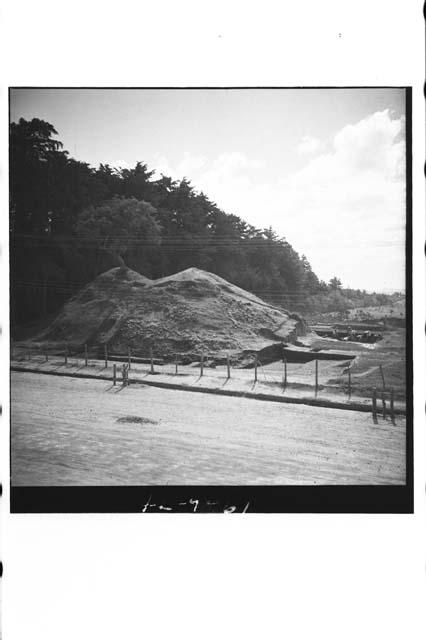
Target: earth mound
[190,312]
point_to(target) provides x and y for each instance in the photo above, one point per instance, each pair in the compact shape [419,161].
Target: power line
[273,294]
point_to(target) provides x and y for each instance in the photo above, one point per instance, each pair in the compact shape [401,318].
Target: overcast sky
[324,167]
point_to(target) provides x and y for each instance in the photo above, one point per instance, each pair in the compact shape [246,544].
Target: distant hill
[392,313]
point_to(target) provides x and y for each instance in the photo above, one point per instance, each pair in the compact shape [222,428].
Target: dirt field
[68,431]
[390,354]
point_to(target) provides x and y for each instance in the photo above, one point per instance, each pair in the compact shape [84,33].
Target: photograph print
[210,299]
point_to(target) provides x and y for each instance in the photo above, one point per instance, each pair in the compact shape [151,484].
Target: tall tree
[118,225]
[135,183]
[31,149]
[69,221]
[335,284]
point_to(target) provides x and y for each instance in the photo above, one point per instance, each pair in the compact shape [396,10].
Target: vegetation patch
[136,420]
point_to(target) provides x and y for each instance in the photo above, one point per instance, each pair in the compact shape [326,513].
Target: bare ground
[187,312]
[68,431]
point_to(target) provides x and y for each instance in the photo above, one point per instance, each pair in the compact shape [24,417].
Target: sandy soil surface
[190,311]
[390,354]
[68,431]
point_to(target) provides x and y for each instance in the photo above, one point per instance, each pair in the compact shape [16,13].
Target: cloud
[187,167]
[228,178]
[226,164]
[308,146]
[224,179]
[372,144]
[123,164]
[345,208]
[190,163]
[234,162]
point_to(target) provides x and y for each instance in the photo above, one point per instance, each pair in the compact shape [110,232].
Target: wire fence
[132,365]
[206,363]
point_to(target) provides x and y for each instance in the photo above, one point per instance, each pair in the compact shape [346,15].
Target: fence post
[374,403]
[176,365]
[285,372]
[350,382]
[383,377]
[46,356]
[66,355]
[228,366]
[316,375]
[85,355]
[106,356]
[202,364]
[255,367]
[129,356]
[114,374]
[384,405]
[152,361]
[123,375]
[392,407]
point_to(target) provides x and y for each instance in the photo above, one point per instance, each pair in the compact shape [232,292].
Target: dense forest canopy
[70,221]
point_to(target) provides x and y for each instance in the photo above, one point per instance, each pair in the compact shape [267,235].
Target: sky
[325,168]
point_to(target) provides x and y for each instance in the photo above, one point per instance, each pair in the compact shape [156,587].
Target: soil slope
[188,312]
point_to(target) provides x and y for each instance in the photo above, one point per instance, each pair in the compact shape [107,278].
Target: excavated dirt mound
[189,312]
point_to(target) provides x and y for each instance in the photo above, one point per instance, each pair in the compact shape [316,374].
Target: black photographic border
[246,498]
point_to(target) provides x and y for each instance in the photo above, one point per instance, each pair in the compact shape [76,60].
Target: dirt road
[68,431]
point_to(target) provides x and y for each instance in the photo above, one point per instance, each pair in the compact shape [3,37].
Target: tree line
[70,221]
